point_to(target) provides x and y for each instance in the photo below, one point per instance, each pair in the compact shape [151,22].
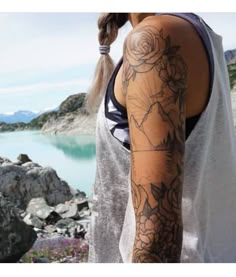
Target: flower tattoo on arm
[154,79]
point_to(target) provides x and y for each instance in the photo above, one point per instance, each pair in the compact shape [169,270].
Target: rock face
[16,237]
[72,104]
[38,122]
[71,118]
[71,124]
[38,207]
[21,183]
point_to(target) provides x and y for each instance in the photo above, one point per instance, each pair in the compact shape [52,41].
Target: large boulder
[67,210]
[16,237]
[23,158]
[21,183]
[38,207]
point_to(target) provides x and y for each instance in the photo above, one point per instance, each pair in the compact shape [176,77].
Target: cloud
[50,54]
[43,86]
[27,46]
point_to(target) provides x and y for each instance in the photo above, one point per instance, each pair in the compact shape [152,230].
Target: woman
[165,185]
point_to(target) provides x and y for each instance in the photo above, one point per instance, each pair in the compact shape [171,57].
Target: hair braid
[108,25]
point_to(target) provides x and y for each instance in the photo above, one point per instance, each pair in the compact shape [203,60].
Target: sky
[45,57]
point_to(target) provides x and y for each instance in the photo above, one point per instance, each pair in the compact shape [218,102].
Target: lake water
[72,157]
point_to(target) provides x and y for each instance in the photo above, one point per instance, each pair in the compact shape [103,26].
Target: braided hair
[108,25]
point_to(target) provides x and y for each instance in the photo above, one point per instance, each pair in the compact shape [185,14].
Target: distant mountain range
[69,118]
[22,116]
[19,116]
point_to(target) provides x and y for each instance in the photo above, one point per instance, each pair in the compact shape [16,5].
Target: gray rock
[52,218]
[4,160]
[61,231]
[30,165]
[22,183]
[72,211]
[73,224]
[71,124]
[84,212]
[65,223]
[16,237]
[50,229]
[85,222]
[82,204]
[38,207]
[79,232]
[33,221]
[38,230]
[61,208]
[23,158]
[76,209]
[23,214]
[80,195]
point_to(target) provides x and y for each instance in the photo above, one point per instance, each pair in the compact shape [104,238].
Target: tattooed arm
[154,84]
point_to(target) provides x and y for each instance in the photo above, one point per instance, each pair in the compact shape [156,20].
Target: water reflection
[74,147]
[73,158]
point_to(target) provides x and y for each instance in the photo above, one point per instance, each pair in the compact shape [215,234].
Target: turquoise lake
[73,158]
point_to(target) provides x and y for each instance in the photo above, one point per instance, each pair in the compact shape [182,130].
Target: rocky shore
[42,219]
[71,124]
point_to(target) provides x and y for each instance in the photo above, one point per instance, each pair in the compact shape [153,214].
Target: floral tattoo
[149,49]
[156,192]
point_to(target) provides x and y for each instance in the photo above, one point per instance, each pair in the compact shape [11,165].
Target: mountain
[230,56]
[19,116]
[70,118]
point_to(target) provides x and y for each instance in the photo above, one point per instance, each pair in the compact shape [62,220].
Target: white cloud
[32,48]
[52,53]
[43,86]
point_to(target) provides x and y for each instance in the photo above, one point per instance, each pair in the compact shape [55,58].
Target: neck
[136,18]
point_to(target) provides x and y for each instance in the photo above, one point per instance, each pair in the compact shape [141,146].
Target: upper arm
[154,82]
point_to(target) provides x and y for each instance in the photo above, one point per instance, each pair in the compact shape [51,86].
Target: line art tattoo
[156,114]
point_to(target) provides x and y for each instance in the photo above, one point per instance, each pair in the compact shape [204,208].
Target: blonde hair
[108,25]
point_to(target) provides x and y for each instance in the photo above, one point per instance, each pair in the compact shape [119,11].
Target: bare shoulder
[170,46]
[152,47]
[176,27]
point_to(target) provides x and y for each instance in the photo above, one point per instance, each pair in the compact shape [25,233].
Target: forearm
[161,250]
[159,227]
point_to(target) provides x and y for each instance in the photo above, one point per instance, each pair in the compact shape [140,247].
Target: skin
[163,80]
